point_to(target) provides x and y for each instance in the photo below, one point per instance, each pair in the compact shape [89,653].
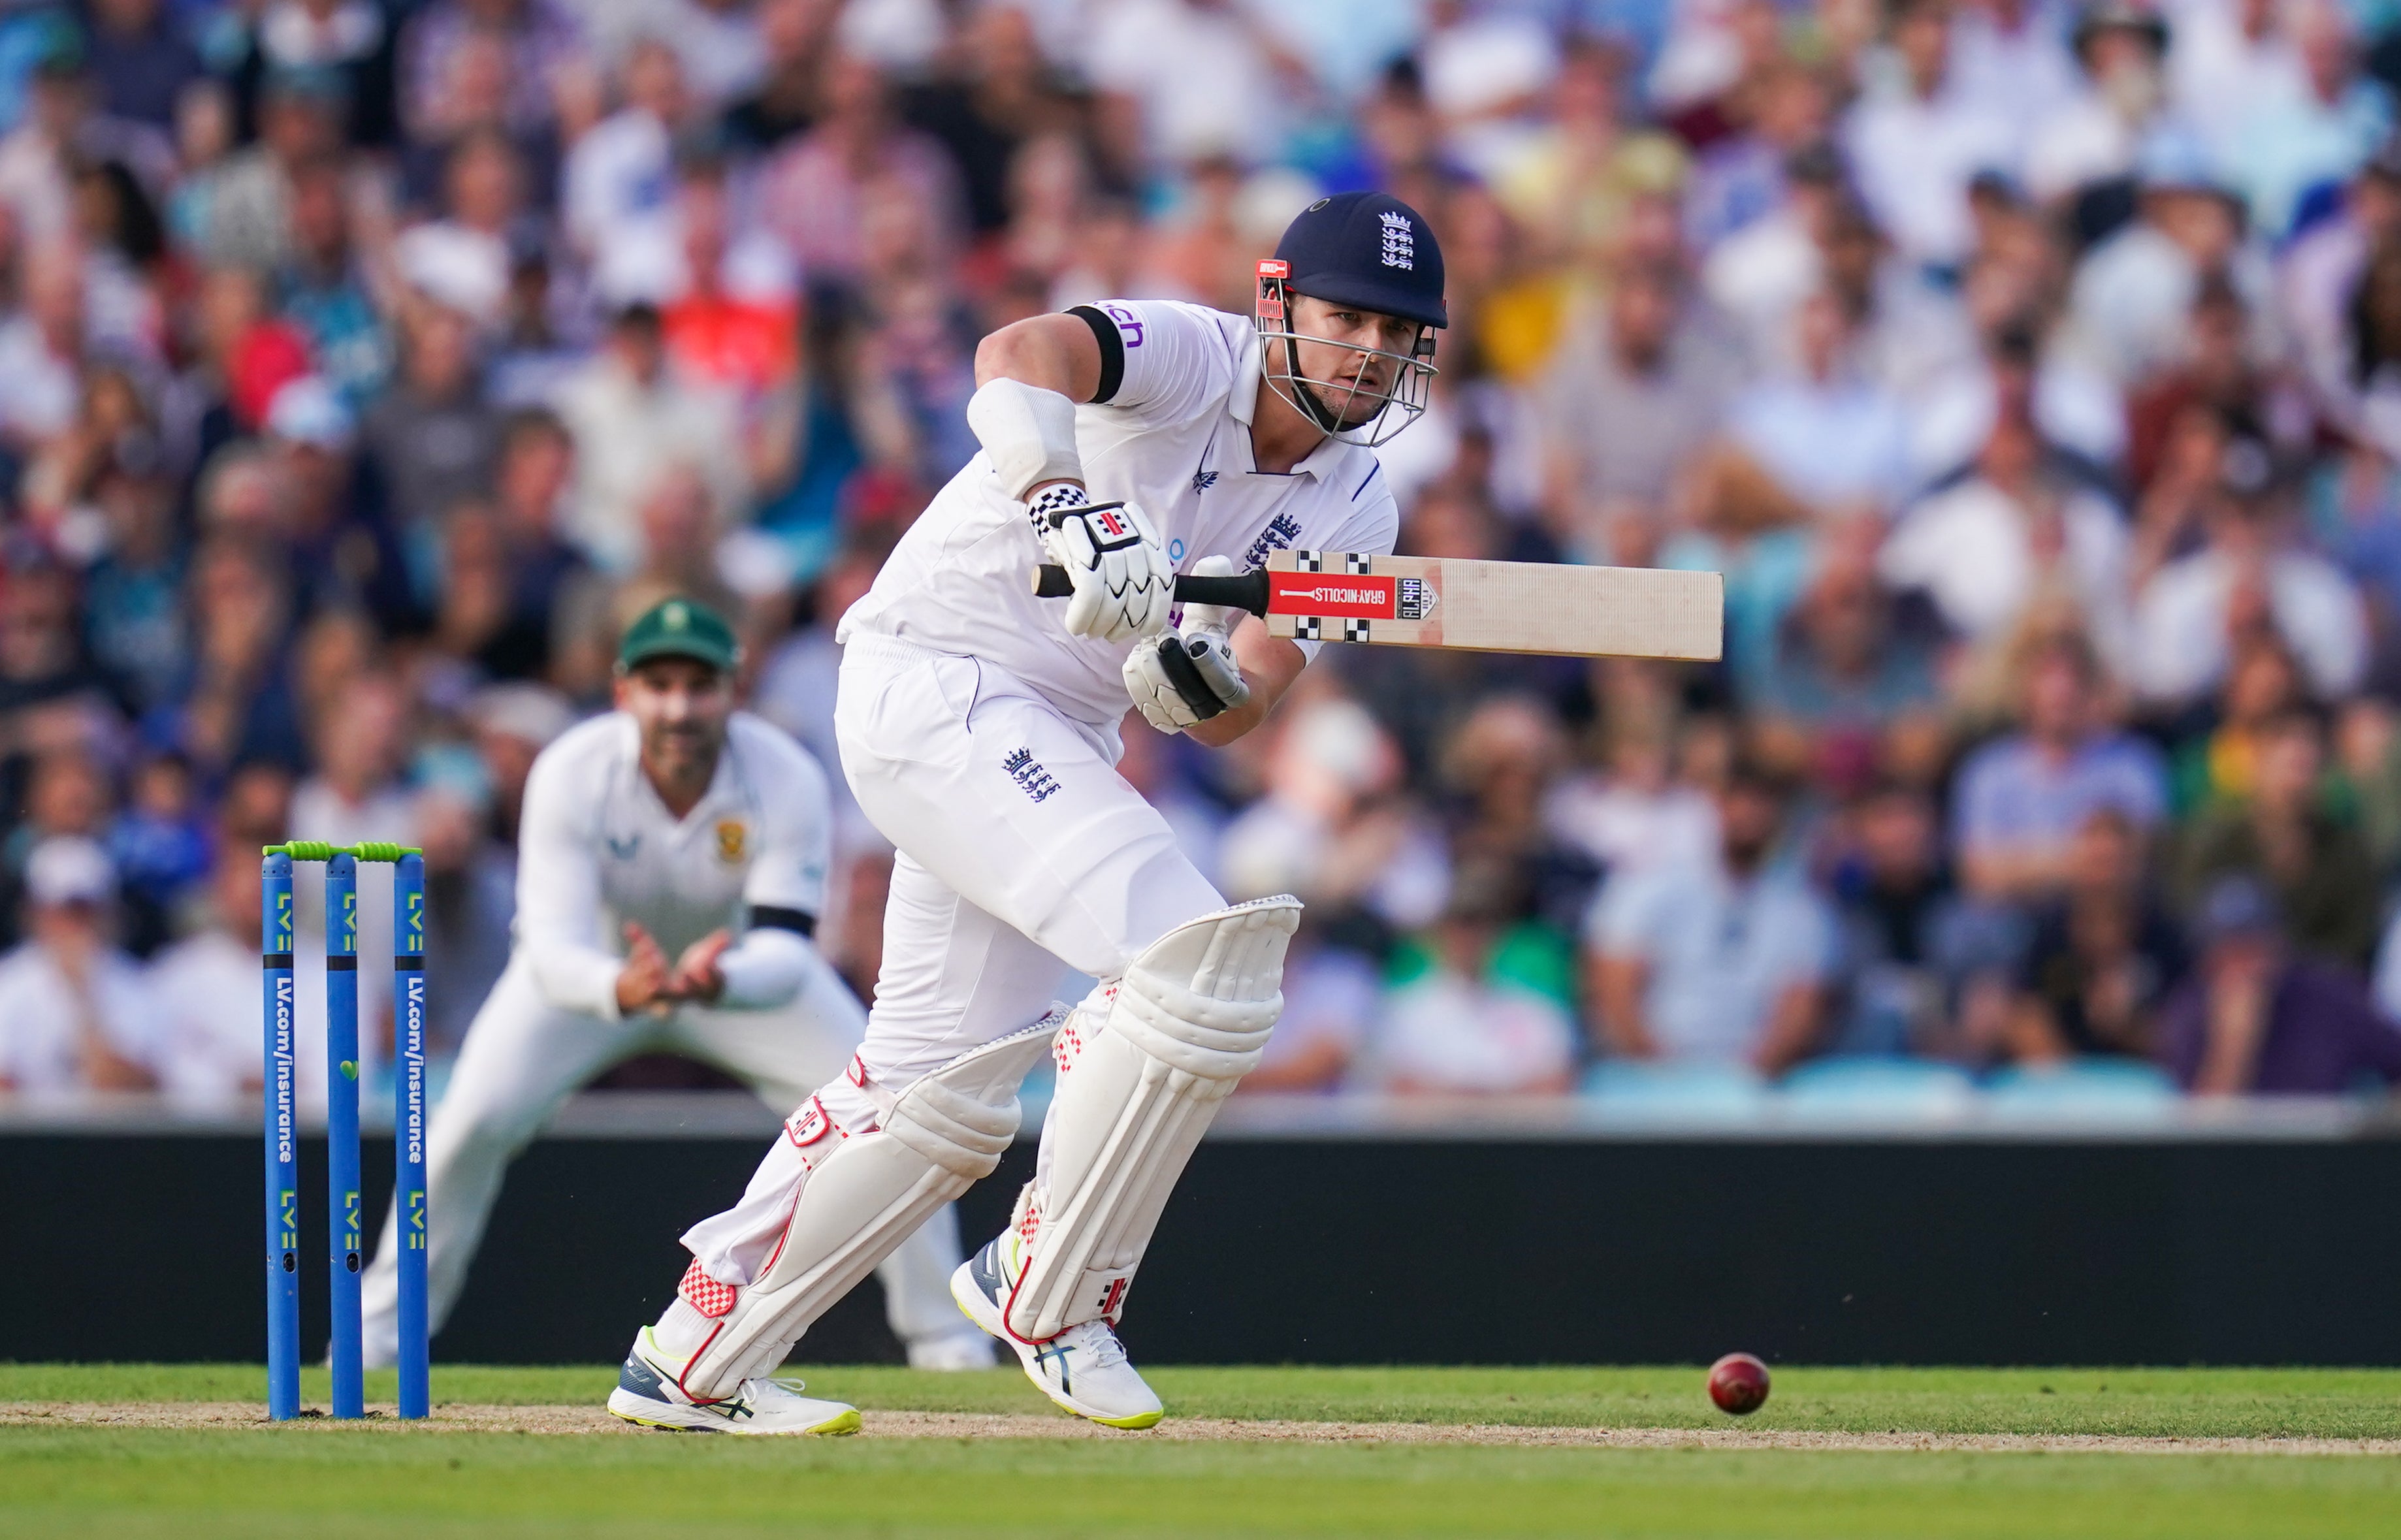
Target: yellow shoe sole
[837,1427]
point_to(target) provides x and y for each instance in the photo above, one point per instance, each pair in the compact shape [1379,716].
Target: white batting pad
[939,1137]
[1187,1022]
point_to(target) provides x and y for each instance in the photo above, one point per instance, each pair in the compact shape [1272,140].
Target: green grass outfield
[320,1479]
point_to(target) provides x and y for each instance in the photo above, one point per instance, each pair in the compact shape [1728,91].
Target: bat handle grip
[1243,591]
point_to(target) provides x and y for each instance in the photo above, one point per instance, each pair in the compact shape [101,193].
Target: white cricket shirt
[596,848]
[1174,439]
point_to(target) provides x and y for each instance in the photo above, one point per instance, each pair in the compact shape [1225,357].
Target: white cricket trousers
[1020,849]
[1021,853]
[523,1056]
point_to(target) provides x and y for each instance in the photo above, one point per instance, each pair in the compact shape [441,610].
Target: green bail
[318,850]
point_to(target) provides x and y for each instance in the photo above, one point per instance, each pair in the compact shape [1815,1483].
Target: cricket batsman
[672,866]
[1127,442]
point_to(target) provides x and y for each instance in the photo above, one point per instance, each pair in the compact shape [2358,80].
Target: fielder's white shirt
[1173,439]
[598,848]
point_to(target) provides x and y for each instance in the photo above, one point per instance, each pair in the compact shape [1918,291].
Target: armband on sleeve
[766,916]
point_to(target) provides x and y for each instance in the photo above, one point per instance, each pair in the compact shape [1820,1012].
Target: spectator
[231,704]
[1181,81]
[1636,812]
[1001,99]
[250,192]
[140,60]
[349,42]
[2133,291]
[543,572]
[540,44]
[1498,767]
[2103,957]
[794,37]
[513,723]
[1852,688]
[2294,143]
[2256,1019]
[632,418]
[1918,142]
[431,439]
[203,985]
[134,617]
[464,260]
[2253,580]
[74,1013]
[2313,865]
[1333,828]
[43,667]
[1624,408]
[160,845]
[1833,439]
[2263,685]
[1462,1020]
[1922,970]
[2093,135]
[2022,798]
[1984,548]
[324,289]
[680,543]
[42,352]
[1725,960]
[2320,273]
[619,178]
[815,192]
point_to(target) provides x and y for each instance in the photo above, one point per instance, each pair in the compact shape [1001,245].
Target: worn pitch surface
[1468,1451]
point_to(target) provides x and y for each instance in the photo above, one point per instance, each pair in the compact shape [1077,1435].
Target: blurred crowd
[2031,371]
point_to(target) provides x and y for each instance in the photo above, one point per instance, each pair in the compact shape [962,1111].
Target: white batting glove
[1189,676]
[1124,583]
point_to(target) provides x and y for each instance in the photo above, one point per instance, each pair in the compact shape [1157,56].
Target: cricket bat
[1482,606]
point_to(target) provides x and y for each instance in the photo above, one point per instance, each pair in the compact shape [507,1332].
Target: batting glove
[1124,585]
[1188,676]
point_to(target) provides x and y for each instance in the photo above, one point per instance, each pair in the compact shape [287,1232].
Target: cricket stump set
[346,1256]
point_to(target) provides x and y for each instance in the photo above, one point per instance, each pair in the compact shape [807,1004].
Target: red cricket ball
[1739,1384]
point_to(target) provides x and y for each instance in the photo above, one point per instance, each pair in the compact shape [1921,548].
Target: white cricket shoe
[647,1393]
[951,1352]
[1083,1368]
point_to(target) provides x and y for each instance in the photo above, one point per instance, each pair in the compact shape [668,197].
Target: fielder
[1127,442]
[671,864]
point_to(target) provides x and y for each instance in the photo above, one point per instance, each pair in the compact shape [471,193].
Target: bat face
[1494,606]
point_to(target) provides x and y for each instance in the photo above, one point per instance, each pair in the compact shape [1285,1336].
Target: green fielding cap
[680,628]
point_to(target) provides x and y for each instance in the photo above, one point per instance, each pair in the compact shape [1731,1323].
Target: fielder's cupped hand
[1187,676]
[646,983]
[1124,583]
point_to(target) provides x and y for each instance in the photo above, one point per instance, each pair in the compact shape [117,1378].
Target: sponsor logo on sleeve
[1128,323]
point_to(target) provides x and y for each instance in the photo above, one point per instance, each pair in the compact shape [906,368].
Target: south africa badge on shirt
[732,839]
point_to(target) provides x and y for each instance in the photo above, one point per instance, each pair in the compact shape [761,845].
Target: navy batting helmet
[1367,249]
[1360,251]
